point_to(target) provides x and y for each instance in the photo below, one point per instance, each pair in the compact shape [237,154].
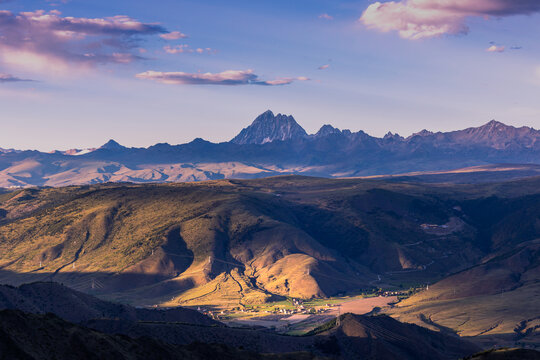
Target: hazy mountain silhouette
[272,145]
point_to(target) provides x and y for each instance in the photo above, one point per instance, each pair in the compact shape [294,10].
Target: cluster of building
[394,293]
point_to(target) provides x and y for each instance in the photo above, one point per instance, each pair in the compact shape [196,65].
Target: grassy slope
[229,242]
[496,298]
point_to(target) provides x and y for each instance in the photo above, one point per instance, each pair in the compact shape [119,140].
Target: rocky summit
[278,145]
[268,127]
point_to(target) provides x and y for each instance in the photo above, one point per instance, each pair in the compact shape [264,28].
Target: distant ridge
[276,145]
[111,145]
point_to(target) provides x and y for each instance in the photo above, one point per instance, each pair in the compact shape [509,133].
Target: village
[295,316]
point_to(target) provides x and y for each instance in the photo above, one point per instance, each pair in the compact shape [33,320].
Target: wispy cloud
[174,35]
[326,17]
[5,78]
[176,49]
[495,48]
[42,39]
[57,2]
[417,19]
[229,77]
[184,48]
[323,67]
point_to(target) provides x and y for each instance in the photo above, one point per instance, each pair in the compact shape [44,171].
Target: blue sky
[105,78]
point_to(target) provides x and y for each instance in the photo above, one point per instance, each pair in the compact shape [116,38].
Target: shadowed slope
[244,242]
[506,354]
[74,306]
[42,337]
[496,298]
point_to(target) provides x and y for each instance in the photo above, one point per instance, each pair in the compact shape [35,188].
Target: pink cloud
[417,19]
[323,67]
[184,48]
[175,35]
[177,49]
[326,17]
[4,78]
[495,48]
[229,77]
[42,40]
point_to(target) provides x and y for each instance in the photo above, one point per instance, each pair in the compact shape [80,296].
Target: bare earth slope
[241,242]
[496,299]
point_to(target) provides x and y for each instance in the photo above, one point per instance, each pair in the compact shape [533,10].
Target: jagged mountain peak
[326,130]
[424,132]
[499,135]
[268,127]
[390,136]
[495,123]
[112,145]
[492,126]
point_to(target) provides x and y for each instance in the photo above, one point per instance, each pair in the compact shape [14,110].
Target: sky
[76,73]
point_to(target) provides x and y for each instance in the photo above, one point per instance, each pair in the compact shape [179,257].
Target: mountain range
[275,145]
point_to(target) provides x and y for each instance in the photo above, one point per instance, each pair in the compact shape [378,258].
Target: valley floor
[300,323]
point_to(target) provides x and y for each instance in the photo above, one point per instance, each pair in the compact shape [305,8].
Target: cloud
[56,2]
[4,78]
[323,67]
[326,17]
[229,77]
[417,19]
[42,40]
[175,35]
[495,48]
[184,48]
[177,49]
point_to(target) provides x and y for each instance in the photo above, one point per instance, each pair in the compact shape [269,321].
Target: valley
[287,252]
[270,180]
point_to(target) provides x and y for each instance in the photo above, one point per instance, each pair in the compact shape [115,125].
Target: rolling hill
[494,302]
[506,354]
[38,321]
[356,337]
[26,336]
[237,242]
[78,307]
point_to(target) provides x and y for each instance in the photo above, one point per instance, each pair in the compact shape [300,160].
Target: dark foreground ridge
[506,354]
[165,334]
[26,336]
[75,306]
